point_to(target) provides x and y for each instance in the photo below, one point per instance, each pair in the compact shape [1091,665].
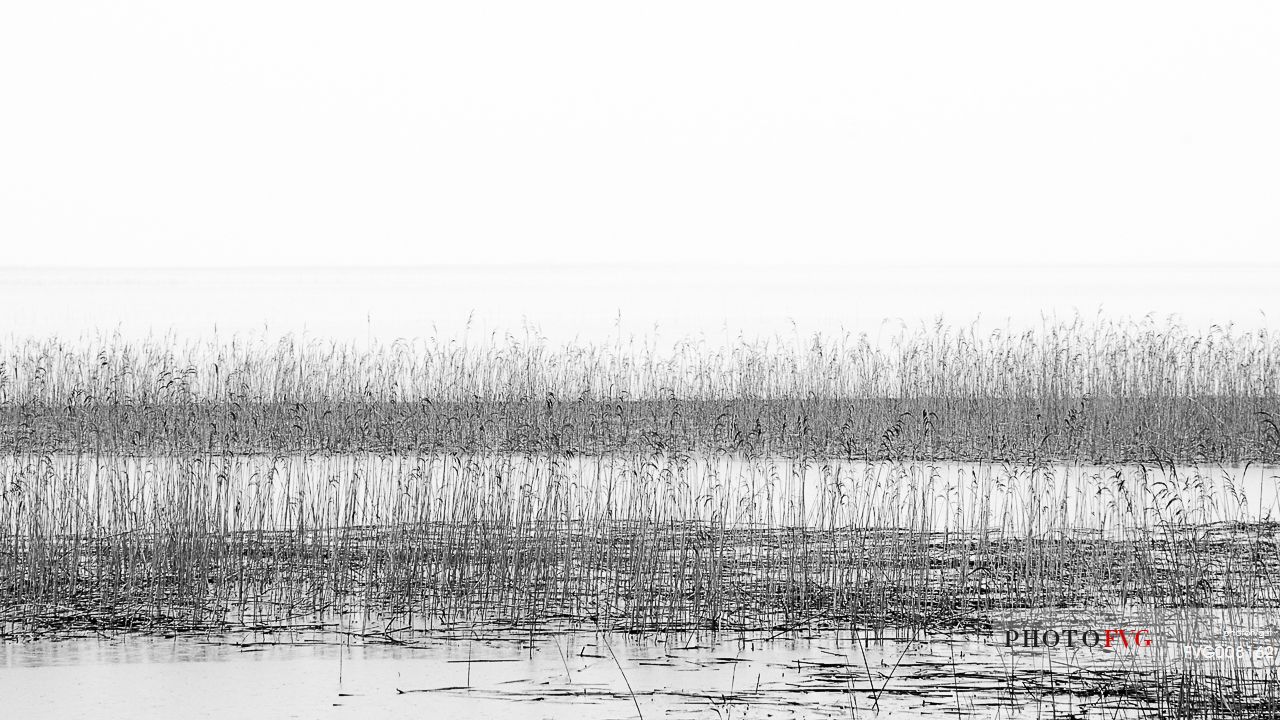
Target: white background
[1135,140]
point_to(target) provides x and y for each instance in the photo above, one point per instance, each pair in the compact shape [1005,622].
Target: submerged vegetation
[937,481]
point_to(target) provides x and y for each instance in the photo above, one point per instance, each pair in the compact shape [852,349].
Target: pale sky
[408,133]
[596,303]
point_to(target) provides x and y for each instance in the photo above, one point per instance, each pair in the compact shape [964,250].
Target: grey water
[586,675]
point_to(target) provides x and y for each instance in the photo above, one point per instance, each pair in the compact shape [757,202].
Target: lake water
[586,675]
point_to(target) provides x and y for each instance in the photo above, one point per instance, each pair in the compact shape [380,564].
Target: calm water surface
[584,675]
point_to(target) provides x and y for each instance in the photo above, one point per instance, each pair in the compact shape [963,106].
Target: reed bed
[647,542]
[643,544]
[936,481]
[1097,392]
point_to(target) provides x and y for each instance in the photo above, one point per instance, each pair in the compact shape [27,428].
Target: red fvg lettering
[1110,637]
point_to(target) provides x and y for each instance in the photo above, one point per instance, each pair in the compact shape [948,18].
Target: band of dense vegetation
[1087,430]
[1100,391]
